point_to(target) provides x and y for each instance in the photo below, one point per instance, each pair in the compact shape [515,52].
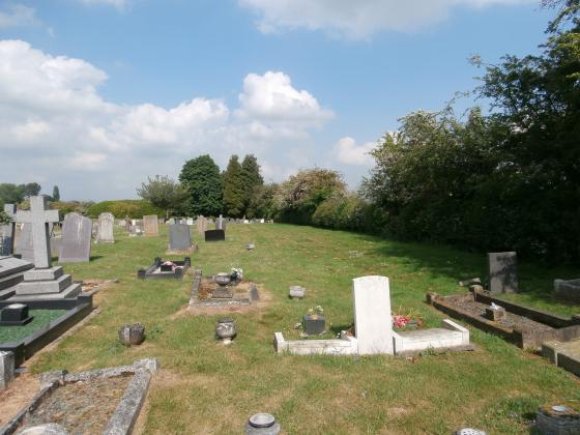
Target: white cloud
[119,4]
[55,126]
[357,19]
[346,151]
[17,15]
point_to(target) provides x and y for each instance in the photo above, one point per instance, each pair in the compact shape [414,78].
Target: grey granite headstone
[39,218]
[503,276]
[179,237]
[106,223]
[76,239]
[7,231]
[23,242]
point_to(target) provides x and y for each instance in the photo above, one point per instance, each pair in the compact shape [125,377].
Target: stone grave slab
[179,238]
[206,293]
[151,225]
[117,392]
[11,273]
[568,290]
[76,239]
[502,268]
[105,228]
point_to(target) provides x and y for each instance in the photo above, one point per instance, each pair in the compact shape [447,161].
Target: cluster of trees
[507,180]
[17,193]
[202,189]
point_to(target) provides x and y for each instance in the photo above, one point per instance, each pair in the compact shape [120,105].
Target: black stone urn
[132,334]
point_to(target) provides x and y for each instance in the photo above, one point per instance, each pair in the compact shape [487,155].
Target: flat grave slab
[97,401]
[206,293]
[165,269]
[523,326]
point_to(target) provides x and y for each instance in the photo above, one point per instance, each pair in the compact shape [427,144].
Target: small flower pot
[131,335]
[222,279]
[313,325]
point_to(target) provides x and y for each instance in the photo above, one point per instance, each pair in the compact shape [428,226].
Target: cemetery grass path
[204,387]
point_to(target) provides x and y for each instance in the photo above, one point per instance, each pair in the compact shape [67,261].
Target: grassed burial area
[205,387]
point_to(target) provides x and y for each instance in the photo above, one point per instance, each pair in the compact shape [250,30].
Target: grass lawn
[205,387]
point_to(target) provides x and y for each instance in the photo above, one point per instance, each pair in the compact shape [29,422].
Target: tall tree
[31,189]
[201,177]
[251,180]
[55,194]
[234,189]
[163,192]
[11,193]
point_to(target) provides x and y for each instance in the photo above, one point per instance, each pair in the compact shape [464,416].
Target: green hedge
[133,208]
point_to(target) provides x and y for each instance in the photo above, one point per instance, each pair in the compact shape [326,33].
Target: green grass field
[205,387]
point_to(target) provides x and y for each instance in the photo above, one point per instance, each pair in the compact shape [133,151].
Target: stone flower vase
[132,334]
[313,324]
[226,329]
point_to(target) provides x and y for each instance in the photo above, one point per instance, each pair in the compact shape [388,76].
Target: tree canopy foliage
[201,177]
[234,195]
[163,192]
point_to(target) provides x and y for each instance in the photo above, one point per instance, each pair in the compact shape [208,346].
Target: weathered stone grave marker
[503,276]
[76,239]
[151,225]
[201,224]
[105,232]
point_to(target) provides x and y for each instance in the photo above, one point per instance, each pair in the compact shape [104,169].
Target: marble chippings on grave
[179,238]
[374,329]
[223,290]
[106,223]
[502,267]
[76,239]
[151,225]
[7,231]
[39,218]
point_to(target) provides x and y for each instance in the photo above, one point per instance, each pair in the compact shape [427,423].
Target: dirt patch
[18,395]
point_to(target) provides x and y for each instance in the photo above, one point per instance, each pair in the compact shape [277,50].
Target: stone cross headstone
[502,267]
[372,315]
[220,224]
[7,231]
[76,239]
[39,218]
[151,225]
[179,237]
[106,223]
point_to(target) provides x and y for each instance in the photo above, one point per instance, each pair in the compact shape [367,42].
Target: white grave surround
[374,329]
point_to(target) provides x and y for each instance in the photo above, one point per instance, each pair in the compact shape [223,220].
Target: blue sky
[97,95]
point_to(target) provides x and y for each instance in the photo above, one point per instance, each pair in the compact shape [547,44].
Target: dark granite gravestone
[502,267]
[7,231]
[14,315]
[179,237]
[76,239]
[215,235]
